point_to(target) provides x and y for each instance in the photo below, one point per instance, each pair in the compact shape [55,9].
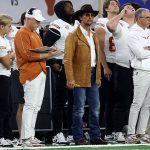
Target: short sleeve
[55,25]
[101,23]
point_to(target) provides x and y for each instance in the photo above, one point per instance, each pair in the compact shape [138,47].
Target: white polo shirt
[4,49]
[109,46]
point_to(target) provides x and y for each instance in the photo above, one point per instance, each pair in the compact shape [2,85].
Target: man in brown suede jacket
[83,73]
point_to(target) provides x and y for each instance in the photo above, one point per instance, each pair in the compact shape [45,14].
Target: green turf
[138,147]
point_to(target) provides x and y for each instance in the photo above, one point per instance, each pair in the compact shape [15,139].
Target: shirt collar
[85,32]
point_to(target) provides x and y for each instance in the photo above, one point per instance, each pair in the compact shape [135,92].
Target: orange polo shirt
[28,62]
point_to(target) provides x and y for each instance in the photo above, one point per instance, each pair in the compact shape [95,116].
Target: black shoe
[98,141]
[81,142]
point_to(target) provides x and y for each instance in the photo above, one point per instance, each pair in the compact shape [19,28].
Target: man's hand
[71,84]
[53,52]
[123,12]
[107,73]
[56,67]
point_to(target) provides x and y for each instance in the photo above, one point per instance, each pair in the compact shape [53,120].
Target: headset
[30,11]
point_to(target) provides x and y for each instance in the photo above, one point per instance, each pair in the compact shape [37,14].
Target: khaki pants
[139,111]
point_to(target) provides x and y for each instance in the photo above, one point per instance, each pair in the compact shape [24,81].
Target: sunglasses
[89,15]
[148,18]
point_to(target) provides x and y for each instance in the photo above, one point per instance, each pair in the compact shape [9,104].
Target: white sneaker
[145,139]
[15,142]
[119,137]
[70,140]
[109,137]
[18,143]
[31,143]
[59,139]
[132,139]
[36,140]
[5,143]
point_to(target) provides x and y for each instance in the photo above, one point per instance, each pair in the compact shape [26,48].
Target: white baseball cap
[35,13]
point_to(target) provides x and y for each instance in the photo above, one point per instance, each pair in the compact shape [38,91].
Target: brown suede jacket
[77,59]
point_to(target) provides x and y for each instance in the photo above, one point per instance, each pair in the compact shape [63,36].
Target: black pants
[17,91]
[107,100]
[123,96]
[5,107]
[62,95]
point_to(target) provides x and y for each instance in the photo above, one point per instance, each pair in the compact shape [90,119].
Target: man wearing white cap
[32,69]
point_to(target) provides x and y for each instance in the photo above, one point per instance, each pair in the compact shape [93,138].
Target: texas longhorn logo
[50,7]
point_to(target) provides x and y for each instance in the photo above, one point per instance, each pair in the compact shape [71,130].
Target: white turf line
[86,146]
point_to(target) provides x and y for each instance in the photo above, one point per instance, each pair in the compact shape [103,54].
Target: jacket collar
[82,37]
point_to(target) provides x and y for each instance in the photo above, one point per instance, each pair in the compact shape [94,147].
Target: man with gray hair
[139,44]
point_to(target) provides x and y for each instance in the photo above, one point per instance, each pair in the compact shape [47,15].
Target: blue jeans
[92,96]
